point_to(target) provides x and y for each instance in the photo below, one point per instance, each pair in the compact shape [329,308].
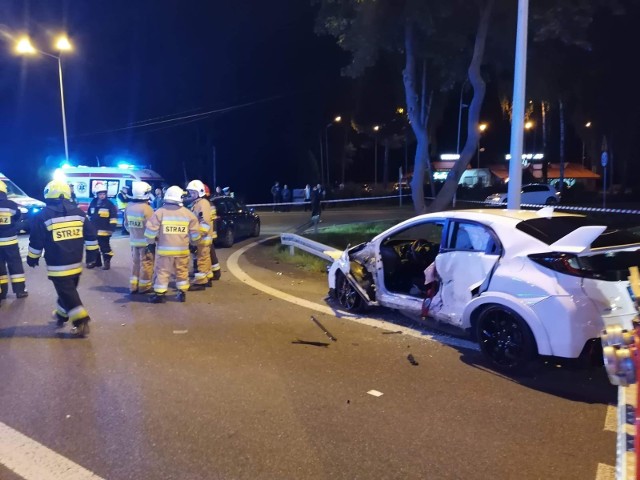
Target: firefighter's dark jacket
[61,229]
[104,216]
[9,219]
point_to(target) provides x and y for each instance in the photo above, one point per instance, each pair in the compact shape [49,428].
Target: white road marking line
[605,472]
[234,268]
[33,461]
[611,420]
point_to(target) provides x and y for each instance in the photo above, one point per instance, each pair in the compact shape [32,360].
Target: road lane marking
[611,420]
[234,268]
[605,472]
[33,461]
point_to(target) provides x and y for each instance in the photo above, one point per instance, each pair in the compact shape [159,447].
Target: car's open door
[469,253]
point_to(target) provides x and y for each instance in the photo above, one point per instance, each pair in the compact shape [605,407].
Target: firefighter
[136,214]
[201,208]
[122,200]
[9,250]
[61,229]
[216,273]
[173,228]
[104,216]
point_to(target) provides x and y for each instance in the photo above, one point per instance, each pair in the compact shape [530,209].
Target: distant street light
[528,125]
[481,128]
[584,157]
[376,128]
[62,44]
[337,119]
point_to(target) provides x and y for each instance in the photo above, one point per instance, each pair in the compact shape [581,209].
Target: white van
[28,206]
[84,179]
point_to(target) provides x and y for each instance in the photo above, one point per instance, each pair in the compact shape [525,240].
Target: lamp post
[376,128]
[481,128]
[584,158]
[464,85]
[25,47]
[337,119]
[528,125]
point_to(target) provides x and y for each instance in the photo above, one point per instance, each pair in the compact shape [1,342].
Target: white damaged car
[522,283]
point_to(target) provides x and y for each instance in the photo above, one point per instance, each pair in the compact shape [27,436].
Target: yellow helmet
[3,187]
[56,189]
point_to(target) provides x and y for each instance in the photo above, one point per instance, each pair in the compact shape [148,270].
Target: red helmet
[207,192]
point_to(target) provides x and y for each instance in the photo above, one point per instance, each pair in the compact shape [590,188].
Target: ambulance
[84,180]
[28,206]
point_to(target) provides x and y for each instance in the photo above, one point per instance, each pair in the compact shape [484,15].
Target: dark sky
[144,59]
[260,61]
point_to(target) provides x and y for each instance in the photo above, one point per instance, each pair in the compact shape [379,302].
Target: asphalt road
[237,383]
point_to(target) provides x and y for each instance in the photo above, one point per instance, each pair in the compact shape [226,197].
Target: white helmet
[141,190]
[197,186]
[99,187]
[174,194]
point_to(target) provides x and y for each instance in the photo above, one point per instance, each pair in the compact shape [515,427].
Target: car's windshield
[550,230]
[13,190]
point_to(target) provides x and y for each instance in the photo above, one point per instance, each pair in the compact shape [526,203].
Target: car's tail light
[566,263]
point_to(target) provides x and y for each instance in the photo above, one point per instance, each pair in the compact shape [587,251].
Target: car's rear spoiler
[579,240]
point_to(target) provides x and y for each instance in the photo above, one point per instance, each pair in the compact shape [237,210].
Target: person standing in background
[135,217]
[103,214]
[9,250]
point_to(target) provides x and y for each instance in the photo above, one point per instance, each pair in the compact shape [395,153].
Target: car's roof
[500,214]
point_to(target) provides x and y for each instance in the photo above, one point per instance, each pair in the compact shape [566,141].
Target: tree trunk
[561,181]
[545,162]
[417,118]
[444,198]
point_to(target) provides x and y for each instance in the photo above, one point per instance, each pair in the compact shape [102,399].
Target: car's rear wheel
[256,229]
[551,201]
[229,238]
[505,339]
[347,296]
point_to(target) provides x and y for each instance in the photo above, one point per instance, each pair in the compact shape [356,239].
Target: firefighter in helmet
[170,233]
[136,214]
[104,216]
[201,208]
[9,250]
[61,230]
[216,272]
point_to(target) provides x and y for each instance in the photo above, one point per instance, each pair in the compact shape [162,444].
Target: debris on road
[180,332]
[375,393]
[412,360]
[323,329]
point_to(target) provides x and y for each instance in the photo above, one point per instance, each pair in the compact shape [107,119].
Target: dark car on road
[235,220]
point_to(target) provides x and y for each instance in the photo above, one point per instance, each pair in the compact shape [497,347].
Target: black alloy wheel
[229,238]
[347,296]
[505,339]
[256,229]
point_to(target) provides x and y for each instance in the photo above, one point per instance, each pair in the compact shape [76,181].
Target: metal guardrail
[315,248]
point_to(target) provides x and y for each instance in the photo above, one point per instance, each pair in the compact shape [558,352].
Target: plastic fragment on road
[180,332]
[375,393]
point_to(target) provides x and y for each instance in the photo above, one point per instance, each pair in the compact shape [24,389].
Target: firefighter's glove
[151,248]
[193,249]
[33,262]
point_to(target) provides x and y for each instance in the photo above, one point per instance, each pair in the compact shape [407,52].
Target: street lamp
[481,128]
[528,125]
[584,158]
[337,119]
[62,44]
[376,128]
[460,113]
